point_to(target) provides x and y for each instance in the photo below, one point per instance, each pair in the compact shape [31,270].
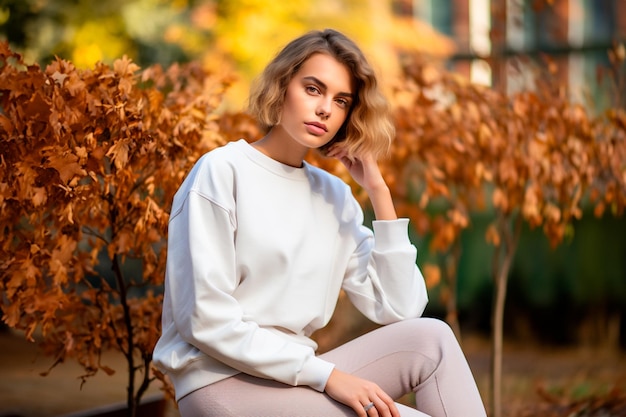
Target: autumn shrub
[89,162]
[531,157]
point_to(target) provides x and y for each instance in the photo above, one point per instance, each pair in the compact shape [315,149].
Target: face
[317,101]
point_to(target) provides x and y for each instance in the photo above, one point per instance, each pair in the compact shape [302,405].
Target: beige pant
[420,355]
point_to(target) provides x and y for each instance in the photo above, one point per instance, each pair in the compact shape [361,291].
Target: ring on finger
[368,406]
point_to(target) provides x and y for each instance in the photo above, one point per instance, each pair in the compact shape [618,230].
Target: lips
[316,128]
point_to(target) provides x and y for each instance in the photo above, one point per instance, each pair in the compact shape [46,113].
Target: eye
[313,90]
[343,103]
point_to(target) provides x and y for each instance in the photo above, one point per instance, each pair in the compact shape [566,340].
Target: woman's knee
[437,328]
[435,333]
[441,328]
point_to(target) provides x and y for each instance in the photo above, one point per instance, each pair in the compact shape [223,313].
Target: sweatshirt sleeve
[383,280]
[201,279]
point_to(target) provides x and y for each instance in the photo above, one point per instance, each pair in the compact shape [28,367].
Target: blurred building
[492,37]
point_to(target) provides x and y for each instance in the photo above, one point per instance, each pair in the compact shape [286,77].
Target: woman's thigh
[420,355]
[248,396]
[386,356]
[398,357]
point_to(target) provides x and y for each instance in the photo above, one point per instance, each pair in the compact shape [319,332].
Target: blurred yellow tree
[250,32]
[233,37]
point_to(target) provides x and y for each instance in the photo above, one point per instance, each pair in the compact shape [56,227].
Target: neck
[284,151]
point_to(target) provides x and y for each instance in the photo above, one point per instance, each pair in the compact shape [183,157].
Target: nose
[323,109]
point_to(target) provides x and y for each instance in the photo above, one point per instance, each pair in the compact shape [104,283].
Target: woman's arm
[382,279]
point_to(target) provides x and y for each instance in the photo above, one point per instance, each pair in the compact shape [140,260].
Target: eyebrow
[325,87]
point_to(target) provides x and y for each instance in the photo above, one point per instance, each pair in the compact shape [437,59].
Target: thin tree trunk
[503,259]
[130,397]
[496,340]
[450,269]
[131,400]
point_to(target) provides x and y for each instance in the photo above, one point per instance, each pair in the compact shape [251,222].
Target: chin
[316,143]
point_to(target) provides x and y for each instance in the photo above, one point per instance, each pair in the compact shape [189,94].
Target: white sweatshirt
[257,255]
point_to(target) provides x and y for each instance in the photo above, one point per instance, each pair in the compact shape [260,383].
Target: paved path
[24,393]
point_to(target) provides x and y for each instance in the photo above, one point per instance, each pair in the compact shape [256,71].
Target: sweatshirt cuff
[315,373]
[389,234]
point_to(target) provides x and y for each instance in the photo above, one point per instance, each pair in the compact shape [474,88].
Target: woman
[261,244]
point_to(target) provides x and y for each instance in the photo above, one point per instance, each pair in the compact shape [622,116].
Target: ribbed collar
[272,165]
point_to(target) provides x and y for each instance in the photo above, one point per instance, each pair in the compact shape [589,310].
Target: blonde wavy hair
[368,127]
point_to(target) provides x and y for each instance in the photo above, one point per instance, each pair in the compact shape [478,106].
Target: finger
[333,152]
[360,410]
[382,410]
[333,148]
[393,409]
[336,152]
[387,407]
[361,406]
[346,162]
[343,154]
[370,409]
[376,407]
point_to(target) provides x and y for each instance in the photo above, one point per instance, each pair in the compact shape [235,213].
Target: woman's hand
[357,393]
[364,170]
